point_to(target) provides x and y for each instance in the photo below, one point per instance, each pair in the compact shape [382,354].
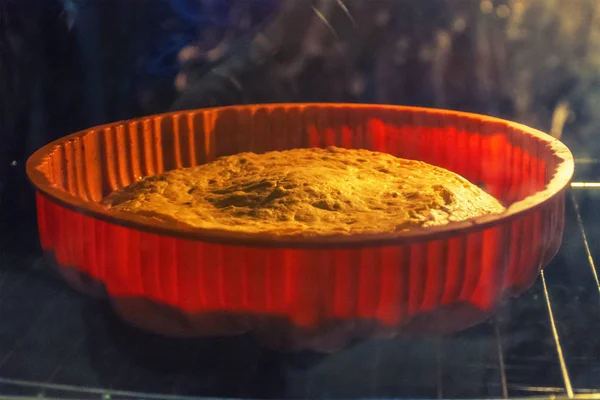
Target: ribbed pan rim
[558,183]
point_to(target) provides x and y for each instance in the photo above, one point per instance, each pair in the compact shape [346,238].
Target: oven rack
[56,343]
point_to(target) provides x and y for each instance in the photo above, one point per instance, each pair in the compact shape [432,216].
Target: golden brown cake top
[307,192]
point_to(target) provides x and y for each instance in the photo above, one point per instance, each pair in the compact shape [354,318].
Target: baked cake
[307,192]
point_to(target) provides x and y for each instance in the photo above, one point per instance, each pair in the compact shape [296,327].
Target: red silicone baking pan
[302,292]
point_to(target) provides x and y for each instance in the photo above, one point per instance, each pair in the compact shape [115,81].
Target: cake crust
[307,192]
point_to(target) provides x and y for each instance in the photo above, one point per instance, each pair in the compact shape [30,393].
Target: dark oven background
[69,64]
[66,65]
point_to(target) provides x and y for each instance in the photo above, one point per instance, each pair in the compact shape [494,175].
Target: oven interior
[69,64]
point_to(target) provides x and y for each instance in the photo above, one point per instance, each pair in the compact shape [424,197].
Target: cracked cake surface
[307,192]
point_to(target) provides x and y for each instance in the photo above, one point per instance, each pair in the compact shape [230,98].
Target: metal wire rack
[55,343]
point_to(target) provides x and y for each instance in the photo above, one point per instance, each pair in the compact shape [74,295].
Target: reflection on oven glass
[67,65]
